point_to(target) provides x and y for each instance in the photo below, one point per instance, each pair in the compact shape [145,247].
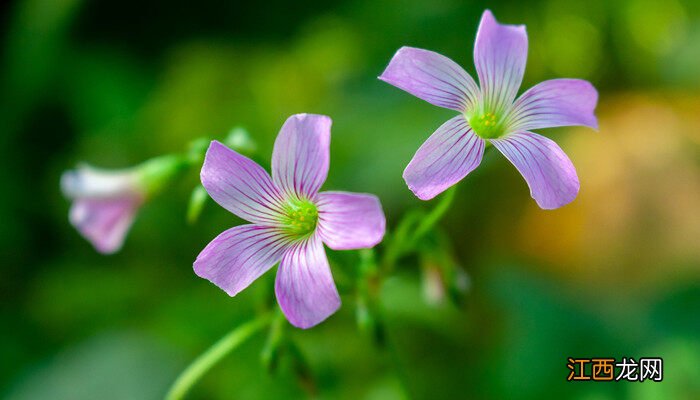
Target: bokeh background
[616,273]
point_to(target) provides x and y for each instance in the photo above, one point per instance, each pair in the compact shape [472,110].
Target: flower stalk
[275,341]
[367,313]
[207,360]
[428,223]
[412,228]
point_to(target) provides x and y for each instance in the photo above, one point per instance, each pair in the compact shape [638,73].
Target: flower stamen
[486,125]
[300,219]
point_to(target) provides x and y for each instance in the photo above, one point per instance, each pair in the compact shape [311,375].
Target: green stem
[435,214]
[396,242]
[271,352]
[194,372]
[406,236]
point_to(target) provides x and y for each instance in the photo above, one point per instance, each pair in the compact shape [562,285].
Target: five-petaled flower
[290,220]
[490,114]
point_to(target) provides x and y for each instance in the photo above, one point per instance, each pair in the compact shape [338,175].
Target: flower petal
[431,77]
[240,185]
[349,221]
[238,256]
[304,286]
[104,222]
[88,181]
[547,170]
[500,54]
[302,154]
[453,151]
[557,102]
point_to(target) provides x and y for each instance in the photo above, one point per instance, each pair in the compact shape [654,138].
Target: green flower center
[486,125]
[300,219]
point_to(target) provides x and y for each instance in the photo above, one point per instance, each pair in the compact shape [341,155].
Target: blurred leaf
[111,366]
[239,140]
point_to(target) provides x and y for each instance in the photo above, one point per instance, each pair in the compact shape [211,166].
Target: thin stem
[435,214]
[396,242]
[440,209]
[194,372]
[368,285]
[413,227]
[270,353]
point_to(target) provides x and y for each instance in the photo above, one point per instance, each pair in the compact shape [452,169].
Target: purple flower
[290,220]
[489,113]
[105,202]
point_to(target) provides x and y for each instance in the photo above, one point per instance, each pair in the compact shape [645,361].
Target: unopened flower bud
[105,202]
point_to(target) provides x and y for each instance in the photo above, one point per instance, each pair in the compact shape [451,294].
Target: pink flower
[105,202]
[290,220]
[489,113]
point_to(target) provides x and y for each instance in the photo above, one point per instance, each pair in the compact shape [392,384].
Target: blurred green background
[614,274]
